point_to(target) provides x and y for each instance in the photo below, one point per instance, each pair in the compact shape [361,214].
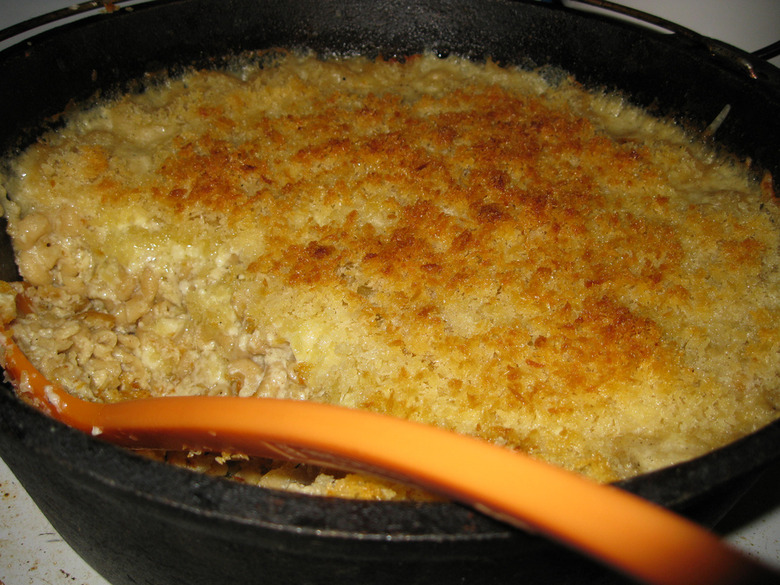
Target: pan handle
[768,52]
[635,14]
[750,64]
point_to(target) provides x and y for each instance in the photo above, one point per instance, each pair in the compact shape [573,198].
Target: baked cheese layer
[490,250]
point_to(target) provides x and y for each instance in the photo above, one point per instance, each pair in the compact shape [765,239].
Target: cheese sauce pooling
[461,244]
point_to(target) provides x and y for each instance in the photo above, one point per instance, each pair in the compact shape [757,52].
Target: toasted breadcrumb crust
[472,246]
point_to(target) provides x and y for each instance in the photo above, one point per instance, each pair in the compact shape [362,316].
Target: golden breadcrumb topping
[472,246]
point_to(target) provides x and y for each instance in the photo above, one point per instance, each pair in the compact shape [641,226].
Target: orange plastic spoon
[630,534]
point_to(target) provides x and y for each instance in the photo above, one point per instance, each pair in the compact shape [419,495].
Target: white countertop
[32,553]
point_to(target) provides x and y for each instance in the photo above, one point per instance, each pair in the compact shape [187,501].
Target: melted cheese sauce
[462,244]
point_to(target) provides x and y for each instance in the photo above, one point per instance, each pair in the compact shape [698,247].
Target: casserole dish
[136,520]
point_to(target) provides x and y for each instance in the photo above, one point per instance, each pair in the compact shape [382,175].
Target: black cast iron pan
[138,521]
